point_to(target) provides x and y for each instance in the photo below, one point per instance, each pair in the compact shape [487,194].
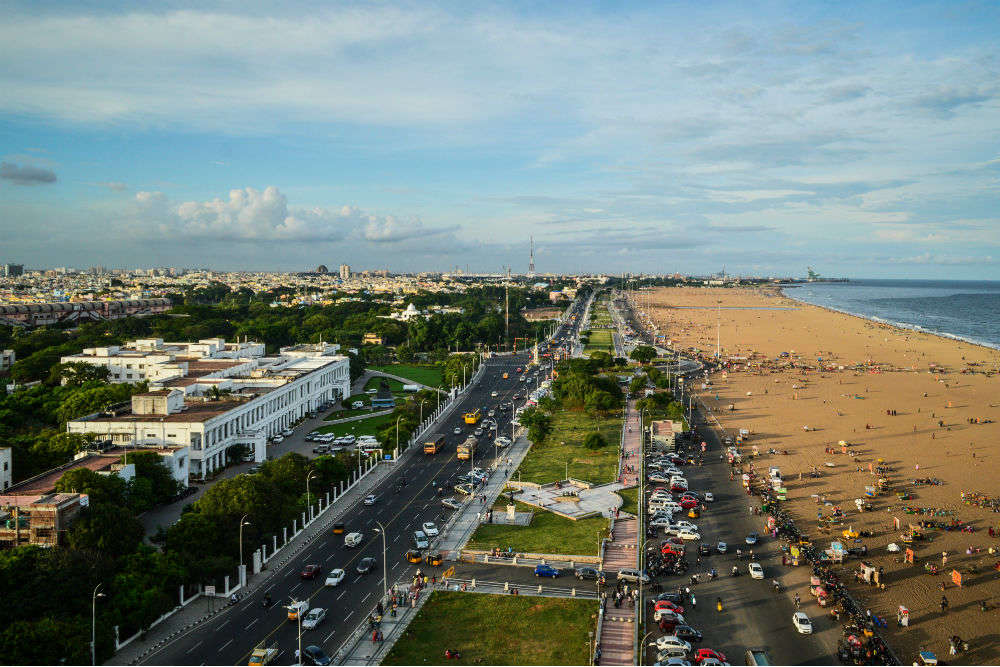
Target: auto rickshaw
[413,556]
[693,513]
[850,533]
[804,541]
[338,528]
[434,559]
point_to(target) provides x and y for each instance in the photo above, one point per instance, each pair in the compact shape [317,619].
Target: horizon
[855,139]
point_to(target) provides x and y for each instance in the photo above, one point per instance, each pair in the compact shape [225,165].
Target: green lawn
[368,426]
[548,533]
[497,630]
[395,386]
[631,498]
[547,462]
[428,375]
[600,341]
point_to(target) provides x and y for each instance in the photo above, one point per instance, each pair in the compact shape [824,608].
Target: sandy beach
[802,379]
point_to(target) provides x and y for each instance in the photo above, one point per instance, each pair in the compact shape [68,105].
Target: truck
[467,449]
[434,443]
[262,655]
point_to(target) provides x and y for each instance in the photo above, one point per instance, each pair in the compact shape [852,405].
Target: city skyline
[858,140]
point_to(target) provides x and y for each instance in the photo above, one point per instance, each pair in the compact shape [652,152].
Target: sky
[861,139]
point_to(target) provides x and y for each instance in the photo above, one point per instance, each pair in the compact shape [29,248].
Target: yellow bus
[467,449]
[473,417]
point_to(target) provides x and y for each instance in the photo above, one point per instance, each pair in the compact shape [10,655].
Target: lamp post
[422,410]
[308,495]
[93,624]
[642,645]
[243,522]
[385,572]
[397,431]
[298,615]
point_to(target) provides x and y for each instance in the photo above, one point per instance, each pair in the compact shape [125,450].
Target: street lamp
[243,522]
[397,431]
[93,624]
[422,410]
[642,649]
[308,495]
[385,572]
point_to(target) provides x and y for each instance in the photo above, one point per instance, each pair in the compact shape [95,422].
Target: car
[458,430]
[703,654]
[704,550]
[413,556]
[353,539]
[335,577]
[631,574]
[672,596]
[296,608]
[494,393]
[478,432]
[313,618]
[430,529]
[420,539]
[286,432]
[802,623]
[713,662]
[656,477]
[369,500]
[312,655]
[756,571]
[688,534]
[670,640]
[357,405]
[752,538]
[722,547]
[588,573]
[661,521]
[546,571]
[709,497]
[278,438]
[688,634]
[667,604]
[673,549]
[311,571]
[366,565]
[674,662]
[452,503]
[321,449]
[681,486]
[688,503]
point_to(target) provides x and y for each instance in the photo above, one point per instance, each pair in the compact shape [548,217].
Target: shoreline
[914,328]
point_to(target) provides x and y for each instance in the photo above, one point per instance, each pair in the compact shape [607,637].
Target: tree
[594,440]
[539,425]
[77,373]
[643,354]
[637,384]
[101,489]
[108,529]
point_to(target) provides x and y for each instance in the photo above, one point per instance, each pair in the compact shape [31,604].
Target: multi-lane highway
[229,637]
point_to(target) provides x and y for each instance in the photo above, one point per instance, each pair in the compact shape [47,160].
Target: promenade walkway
[618,633]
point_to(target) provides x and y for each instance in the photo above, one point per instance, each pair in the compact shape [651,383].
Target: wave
[899,324]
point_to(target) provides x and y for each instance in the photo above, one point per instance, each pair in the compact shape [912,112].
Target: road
[229,637]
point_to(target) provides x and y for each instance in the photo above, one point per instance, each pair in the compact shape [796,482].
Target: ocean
[967,310]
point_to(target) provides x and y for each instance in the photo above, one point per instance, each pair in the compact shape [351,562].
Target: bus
[473,417]
[434,443]
[467,449]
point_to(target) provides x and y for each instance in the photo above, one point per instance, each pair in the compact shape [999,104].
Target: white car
[335,577]
[756,571]
[369,500]
[313,618]
[278,438]
[722,547]
[689,535]
[686,524]
[357,405]
[709,498]
[430,529]
[494,394]
[670,640]
[458,430]
[662,522]
[286,432]
[802,623]
[669,614]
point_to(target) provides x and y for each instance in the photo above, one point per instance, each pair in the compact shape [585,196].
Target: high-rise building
[12,270]
[531,256]
[345,271]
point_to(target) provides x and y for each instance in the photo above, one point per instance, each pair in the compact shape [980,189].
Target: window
[171,435]
[150,435]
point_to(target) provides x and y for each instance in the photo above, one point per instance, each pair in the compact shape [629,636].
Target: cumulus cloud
[116,186]
[250,215]
[26,175]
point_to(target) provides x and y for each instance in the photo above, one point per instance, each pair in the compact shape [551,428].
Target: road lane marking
[341,594]
[225,645]
[195,646]
[366,596]
[331,557]
[251,623]
[223,624]
[394,566]
[328,636]
[295,586]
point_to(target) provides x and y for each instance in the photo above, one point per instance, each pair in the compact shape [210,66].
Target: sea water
[962,309]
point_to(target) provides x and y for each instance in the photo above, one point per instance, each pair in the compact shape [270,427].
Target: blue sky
[860,139]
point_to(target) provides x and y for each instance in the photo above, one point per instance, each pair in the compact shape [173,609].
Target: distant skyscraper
[531,256]
[12,270]
[345,271]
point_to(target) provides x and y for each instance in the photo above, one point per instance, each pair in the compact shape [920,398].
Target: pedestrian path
[617,643]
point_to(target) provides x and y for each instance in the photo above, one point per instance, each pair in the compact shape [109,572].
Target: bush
[595,441]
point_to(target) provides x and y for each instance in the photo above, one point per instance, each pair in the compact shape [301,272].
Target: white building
[6,468]
[219,403]
[7,358]
[152,359]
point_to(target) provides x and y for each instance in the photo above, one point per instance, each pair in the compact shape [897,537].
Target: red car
[677,488]
[311,571]
[688,503]
[672,549]
[667,604]
[706,653]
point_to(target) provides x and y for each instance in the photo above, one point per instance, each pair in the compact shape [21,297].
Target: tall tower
[531,256]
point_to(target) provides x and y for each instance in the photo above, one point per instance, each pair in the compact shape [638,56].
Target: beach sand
[876,368]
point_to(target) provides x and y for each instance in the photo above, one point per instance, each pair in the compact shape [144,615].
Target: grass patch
[600,341]
[631,500]
[395,386]
[368,426]
[348,411]
[548,533]
[547,462]
[497,630]
[428,375]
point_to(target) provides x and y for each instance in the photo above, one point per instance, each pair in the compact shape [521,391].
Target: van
[420,539]
[352,540]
